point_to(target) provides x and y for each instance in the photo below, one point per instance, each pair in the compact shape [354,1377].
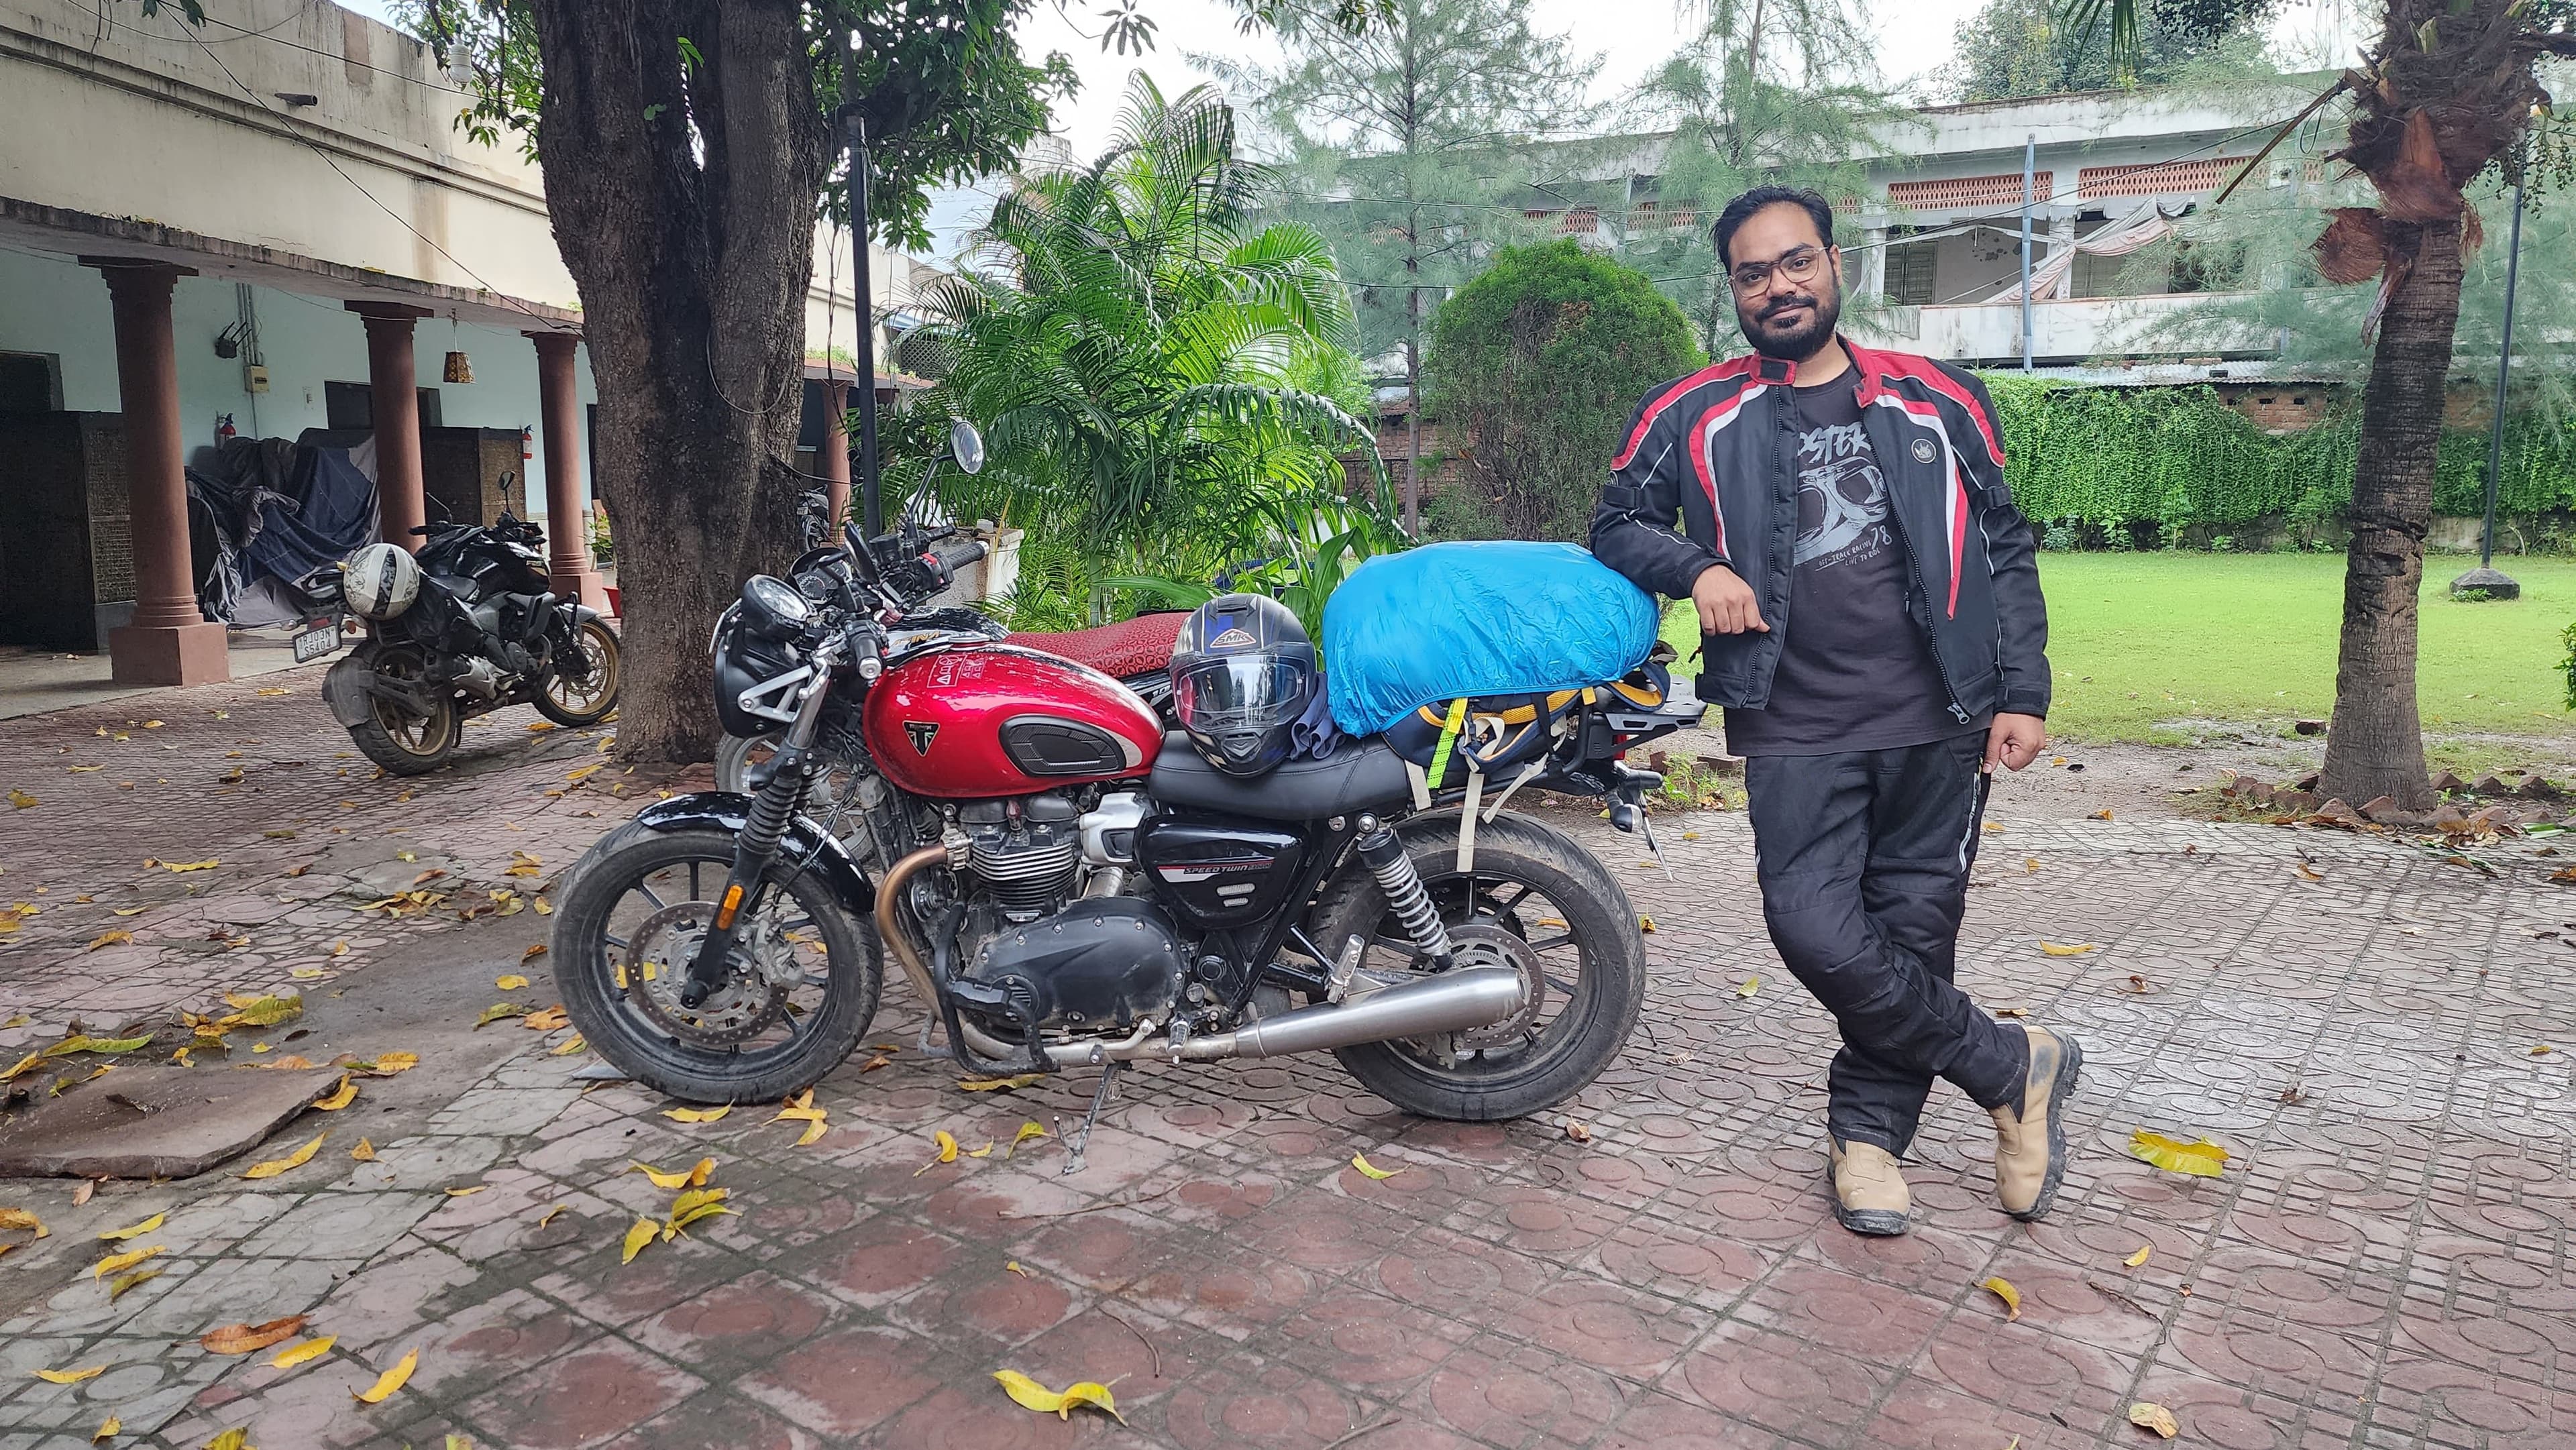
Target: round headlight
[771,607]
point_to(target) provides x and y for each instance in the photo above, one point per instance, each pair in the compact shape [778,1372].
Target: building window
[352,406]
[31,382]
[1910,271]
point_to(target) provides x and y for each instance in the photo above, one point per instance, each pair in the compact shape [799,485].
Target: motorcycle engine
[1103,962]
[1023,850]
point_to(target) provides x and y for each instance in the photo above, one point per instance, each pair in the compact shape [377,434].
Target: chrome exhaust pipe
[1455,1001]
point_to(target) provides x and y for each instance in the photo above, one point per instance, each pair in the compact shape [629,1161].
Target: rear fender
[806,841]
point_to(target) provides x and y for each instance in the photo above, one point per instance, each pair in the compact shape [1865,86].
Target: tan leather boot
[2030,1134]
[1869,1194]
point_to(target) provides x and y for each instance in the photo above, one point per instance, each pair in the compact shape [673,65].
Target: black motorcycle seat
[1357,775]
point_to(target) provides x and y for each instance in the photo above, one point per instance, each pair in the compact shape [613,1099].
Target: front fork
[771,812]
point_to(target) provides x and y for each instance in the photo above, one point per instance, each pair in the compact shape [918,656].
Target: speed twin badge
[922,732]
[1923,450]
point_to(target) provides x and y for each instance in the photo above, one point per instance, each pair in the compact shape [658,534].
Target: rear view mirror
[966,446]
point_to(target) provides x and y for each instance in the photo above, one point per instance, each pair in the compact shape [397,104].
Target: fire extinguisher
[527,443]
[223,428]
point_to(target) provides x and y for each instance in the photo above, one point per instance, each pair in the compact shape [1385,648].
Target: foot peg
[1345,967]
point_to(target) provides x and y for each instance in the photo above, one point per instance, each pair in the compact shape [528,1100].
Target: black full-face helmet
[1243,672]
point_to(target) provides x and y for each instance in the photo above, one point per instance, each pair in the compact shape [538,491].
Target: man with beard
[1871,620]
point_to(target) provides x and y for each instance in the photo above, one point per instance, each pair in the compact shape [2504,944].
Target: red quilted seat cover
[1130,647]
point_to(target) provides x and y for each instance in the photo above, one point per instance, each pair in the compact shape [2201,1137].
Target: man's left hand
[2014,740]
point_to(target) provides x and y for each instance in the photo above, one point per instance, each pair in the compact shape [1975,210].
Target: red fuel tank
[995,719]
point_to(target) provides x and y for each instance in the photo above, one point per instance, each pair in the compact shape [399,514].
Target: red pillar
[168,641]
[401,505]
[836,449]
[568,565]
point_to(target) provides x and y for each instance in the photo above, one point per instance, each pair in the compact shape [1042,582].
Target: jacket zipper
[1931,630]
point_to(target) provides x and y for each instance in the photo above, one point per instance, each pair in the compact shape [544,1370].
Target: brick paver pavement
[2386,1261]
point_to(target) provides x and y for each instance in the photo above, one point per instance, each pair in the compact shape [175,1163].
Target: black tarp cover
[263,513]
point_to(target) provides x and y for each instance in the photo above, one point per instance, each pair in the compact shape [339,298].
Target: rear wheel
[581,690]
[799,989]
[1537,903]
[392,736]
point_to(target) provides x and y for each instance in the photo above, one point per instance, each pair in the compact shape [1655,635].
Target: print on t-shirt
[1842,498]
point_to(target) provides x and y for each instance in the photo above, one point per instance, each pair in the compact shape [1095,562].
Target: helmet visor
[1244,692]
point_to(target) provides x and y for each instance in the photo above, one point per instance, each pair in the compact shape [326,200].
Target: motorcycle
[1064,887]
[484,632]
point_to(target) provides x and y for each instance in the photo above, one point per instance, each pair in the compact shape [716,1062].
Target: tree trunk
[683,201]
[1413,419]
[2376,745]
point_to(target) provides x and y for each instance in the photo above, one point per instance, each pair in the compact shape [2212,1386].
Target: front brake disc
[745,1004]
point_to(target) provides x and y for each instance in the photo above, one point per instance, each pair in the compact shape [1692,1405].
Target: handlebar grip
[958,556]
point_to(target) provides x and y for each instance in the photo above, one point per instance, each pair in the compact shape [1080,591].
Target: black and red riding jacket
[1717,453]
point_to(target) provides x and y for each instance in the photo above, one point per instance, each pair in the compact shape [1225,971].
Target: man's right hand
[1725,602]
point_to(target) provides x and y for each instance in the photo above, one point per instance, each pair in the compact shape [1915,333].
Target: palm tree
[1136,350]
[2446,91]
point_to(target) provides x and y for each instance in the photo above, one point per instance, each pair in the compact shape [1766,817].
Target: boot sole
[1876,1223]
[2058,1093]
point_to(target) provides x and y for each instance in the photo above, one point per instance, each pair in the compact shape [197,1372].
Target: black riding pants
[1863,858]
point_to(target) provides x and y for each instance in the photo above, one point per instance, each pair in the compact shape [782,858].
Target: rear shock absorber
[1405,897]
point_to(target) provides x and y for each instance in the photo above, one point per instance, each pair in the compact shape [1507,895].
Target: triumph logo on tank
[922,732]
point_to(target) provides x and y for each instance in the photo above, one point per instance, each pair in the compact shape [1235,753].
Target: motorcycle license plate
[316,642]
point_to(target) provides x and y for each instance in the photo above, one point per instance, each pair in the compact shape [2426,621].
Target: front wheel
[1537,903]
[799,989]
[579,687]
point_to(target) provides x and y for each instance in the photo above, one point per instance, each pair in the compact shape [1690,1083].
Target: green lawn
[2138,639]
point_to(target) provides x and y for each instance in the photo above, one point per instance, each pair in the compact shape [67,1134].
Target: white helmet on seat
[382,581]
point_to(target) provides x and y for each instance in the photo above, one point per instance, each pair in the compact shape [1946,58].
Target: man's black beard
[1798,346]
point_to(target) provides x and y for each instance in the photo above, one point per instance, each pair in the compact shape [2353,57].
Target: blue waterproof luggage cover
[1451,620]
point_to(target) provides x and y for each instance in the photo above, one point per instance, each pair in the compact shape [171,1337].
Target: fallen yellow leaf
[296,1159]
[2029,864]
[110,938]
[1371,1169]
[1028,1130]
[365,1152]
[690,1207]
[1751,985]
[1000,1084]
[305,974]
[340,1097]
[116,1263]
[1013,1267]
[206,865]
[1029,1394]
[1577,1131]
[641,1233]
[2543,1050]
[2067,949]
[305,1353]
[70,1376]
[2203,1159]
[135,1230]
[2103,814]
[21,1218]
[238,1437]
[511,983]
[2154,1417]
[2003,1289]
[696,1115]
[2140,1256]
[549,1215]
[816,1129]
[108,1429]
[25,1065]
[686,1178]
[467,1192]
[117,1286]
[568,1046]
[70,1045]
[20,798]
[499,1010]
[947,1152]
[530,955]
[1646,924]
[391,1380]
[386,1064]
[249,1338]
[340,948]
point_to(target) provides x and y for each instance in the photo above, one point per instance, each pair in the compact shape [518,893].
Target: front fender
[806,841]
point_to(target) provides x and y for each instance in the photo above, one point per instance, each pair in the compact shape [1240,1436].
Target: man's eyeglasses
[1800,267]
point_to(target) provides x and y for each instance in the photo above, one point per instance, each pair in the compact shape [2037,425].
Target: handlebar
[954,557]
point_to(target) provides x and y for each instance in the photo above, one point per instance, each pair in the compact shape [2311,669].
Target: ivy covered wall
[2156,467]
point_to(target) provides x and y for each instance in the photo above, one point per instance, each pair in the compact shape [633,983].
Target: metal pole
[2504,369]
[2029,166]
[871,497]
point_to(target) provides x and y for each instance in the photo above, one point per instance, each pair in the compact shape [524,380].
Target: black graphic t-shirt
[1856,672]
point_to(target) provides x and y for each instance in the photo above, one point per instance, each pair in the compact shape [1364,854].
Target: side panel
[1220,873]
[936,725]
[728,811]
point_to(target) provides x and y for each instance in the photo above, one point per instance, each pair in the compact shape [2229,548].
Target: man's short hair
[1741,210]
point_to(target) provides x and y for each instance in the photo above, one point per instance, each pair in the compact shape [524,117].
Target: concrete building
[273,219]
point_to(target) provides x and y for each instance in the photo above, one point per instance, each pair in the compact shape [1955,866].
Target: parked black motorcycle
[466,627]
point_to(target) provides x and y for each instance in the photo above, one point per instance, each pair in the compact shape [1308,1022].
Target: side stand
[1099,1100]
